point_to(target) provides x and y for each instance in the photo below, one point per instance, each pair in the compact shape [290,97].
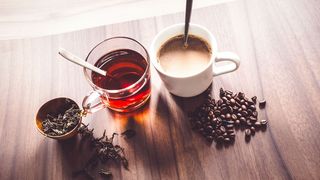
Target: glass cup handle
[232,65]
[92,102]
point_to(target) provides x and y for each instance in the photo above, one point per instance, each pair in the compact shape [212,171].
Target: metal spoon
[187,20]
[72,58]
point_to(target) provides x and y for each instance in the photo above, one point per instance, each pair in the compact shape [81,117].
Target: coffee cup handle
[232,65]
[92,102]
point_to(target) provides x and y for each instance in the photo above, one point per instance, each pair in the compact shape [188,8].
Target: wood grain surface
[278,42]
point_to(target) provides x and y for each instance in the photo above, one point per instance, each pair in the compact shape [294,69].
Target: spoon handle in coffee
[187,20]
[71,57]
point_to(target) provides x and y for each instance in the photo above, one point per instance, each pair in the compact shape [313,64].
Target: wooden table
[278,42]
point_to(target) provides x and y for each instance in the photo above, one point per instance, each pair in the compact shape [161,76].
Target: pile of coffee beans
[217,120]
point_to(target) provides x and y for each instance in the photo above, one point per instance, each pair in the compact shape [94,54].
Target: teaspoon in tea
[72,58]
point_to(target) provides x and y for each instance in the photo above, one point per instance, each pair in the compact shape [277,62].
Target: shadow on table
[152,143]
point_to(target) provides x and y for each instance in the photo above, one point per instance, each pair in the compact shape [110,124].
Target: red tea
[125,67]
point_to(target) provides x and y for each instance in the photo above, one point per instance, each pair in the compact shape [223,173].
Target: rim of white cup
[153,52]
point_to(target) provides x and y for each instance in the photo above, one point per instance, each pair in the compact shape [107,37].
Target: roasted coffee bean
[247,132]
[254,99]
[252,107]
[225,134]
[224,110]
[235,95]
[228,92]
[242,120]
[246,104]
[217,113]
[249,123]
[234,117]
[241,95]
[215,120]
[263,122]
[255,114]
[232,135]
[262,104]
[230,122]
[252,129]
[224,122]
[238,104]
[230,131]
[228,116]
[224,99]
[244,113]
[218,132]
[253,119]
[242,101]
[230,126]
[251,103]
[257,124]
[222,129]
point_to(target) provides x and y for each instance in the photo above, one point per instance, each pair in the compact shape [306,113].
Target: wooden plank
[278,43]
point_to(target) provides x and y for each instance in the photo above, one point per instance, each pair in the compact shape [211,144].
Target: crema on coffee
[177,60]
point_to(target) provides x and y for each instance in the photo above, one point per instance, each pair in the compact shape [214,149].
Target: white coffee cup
[188,86]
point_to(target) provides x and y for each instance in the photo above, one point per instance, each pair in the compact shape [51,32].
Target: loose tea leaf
[104,150]
[262,104]
[216,120]
[105,174]
[63,123]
